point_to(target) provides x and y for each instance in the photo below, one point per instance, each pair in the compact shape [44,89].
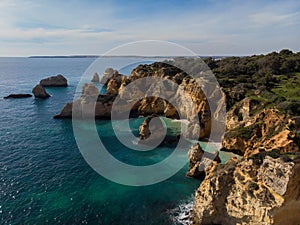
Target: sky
[93,27]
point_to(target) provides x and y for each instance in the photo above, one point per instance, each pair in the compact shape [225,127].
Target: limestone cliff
[257,190]
[267,129]
[182,93]
[200,160]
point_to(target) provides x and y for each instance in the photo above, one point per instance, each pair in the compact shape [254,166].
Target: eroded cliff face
[200,160]
[183,97]
[256,190]
[268,130]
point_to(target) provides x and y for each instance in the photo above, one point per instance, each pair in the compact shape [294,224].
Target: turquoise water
[44,178]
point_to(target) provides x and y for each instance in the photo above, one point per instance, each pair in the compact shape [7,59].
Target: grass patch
[288,86]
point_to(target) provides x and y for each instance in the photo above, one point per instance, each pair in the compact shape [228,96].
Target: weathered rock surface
[95,78]
[265,130]
[40,92]
[115,83]
[185,99]
[89,105]
[200,160]
[256,190]
[152,132]
[18,96]
[54,81]
[108,73]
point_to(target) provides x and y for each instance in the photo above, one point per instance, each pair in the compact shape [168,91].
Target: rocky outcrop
[95,78]
[257,190]
[152,132]
[240,113]
[183,96]
[40,92]
[54,81]
[108,73]
[94,105]
[18,96]
[115,83]
[265,130]
[199,160]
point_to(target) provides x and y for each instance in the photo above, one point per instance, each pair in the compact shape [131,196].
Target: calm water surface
[43,177]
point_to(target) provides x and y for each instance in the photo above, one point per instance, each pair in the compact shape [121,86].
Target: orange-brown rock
[257,190]
[265,130]
[40,92]
[200,160]
[184,96]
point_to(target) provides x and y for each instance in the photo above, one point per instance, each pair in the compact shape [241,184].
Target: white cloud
[269,18]
[75,27]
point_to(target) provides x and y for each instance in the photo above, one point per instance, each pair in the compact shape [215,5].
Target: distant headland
[113,56]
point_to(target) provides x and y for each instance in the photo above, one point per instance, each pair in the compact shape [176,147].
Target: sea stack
[96,78]
[40,92]
[54,81]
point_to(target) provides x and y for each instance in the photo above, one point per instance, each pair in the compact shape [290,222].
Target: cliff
[263,189]
[263,126]
[182,92]
[267,130]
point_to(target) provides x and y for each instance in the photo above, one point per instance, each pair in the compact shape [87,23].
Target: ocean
[43,176]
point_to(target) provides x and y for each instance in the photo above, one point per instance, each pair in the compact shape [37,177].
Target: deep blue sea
[43,176]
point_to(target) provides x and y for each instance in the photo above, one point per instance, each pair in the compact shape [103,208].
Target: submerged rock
[256,190]
[18,96]
[54,81]
[40,92]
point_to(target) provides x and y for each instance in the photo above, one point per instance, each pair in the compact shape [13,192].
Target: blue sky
[93,26]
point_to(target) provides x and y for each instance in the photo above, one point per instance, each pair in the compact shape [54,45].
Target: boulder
[40,92]
[54,81]
[18,96]
[96,78]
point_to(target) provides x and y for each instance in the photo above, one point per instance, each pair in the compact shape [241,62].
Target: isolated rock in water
[153,133]
[200,160]
[18,96]
[96,78]
[40,92]
[257,190]
[54,81]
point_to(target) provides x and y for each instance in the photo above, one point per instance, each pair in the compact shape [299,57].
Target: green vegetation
[288,86]
[271,80]
[245,132]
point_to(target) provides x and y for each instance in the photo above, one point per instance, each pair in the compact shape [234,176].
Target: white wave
[183,212]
